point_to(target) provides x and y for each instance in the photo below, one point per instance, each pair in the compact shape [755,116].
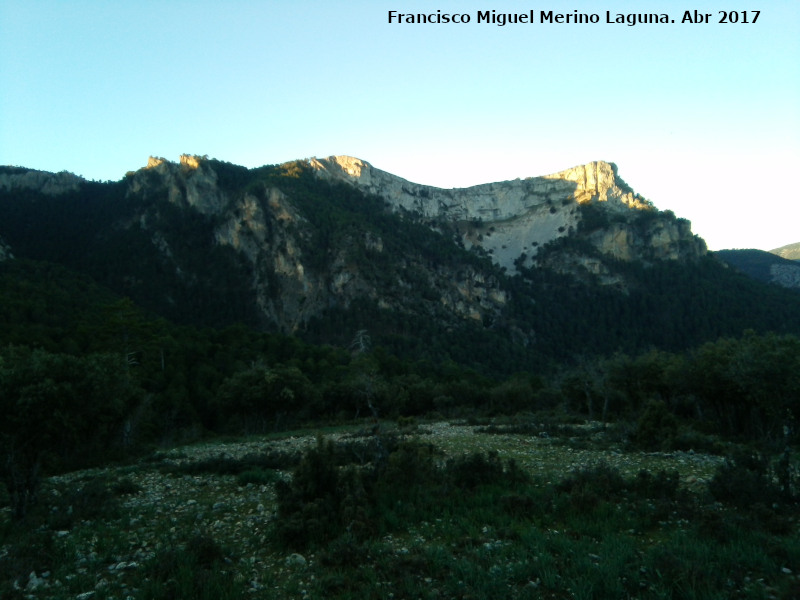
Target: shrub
[743,481]
[126,487]
[657,428]
[92,500]
[314,506]
[196,570]
[664,485]
[476,469]
[588,486]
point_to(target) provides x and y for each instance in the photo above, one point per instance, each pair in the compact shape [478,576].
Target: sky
[701,118]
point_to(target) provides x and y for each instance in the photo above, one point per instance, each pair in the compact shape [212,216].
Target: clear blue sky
[702,119]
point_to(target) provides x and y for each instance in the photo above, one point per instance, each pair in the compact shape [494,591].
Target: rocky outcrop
[663,239]
[512,220]
[190,182]
[52,184]
[786,275]
[487,202]
[265,226]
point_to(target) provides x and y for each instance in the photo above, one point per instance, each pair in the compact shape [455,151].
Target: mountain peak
[514,219]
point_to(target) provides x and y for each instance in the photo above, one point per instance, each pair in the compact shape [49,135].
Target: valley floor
[126,532]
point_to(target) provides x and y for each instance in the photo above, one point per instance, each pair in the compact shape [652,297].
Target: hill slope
[764,266]
[790,252]
[499,277]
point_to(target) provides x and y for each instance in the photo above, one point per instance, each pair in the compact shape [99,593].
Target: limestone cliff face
[189,182]
[52,184]
[786,275]
[265,226]
[512,220]
[662,239]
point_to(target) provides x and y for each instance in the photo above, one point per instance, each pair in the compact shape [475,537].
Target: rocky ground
[163,505]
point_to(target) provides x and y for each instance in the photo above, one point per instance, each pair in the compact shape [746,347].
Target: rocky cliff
[16,178]
[280,246]
[513,220]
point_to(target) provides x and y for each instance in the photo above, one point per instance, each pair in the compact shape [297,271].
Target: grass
[457,514]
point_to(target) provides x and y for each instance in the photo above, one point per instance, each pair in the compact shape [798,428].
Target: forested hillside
[169,296]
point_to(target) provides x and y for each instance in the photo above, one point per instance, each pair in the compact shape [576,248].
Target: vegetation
[755,263]
[113,350]
[431,515]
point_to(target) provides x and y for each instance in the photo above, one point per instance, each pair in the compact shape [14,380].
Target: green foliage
[196,570]
[657,428]
[588,486]
[60,412]
[474,470]
[751,385]
[745,480]
[265,462]
[593,217]
[260,398]
[744,388]
[754,263]
[325,501]
[92,499]
[321,501]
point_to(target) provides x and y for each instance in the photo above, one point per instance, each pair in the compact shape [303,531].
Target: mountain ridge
[789,251]
[525,214]
[295,249]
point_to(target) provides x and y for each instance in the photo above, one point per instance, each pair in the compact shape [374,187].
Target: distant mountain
[791,251]
[764,266]
[499,276]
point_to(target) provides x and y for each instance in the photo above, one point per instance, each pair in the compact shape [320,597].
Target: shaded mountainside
[502,277]
[768,267]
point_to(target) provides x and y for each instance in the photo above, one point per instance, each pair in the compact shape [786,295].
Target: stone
[35,582]
[296,560]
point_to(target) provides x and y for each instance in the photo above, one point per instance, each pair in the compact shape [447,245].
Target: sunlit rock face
[191,181]
[512,220]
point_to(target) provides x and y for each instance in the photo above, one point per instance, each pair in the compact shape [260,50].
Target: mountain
[768,267]
[512,220]
[790,251]
[499,277]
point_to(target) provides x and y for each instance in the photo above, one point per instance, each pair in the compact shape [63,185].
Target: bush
[657,428]
[126,487]
[324,500]
[743,481]
[196,570]
[92,500]
[476,469]
[60,412]
[664,485]
[320,501]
